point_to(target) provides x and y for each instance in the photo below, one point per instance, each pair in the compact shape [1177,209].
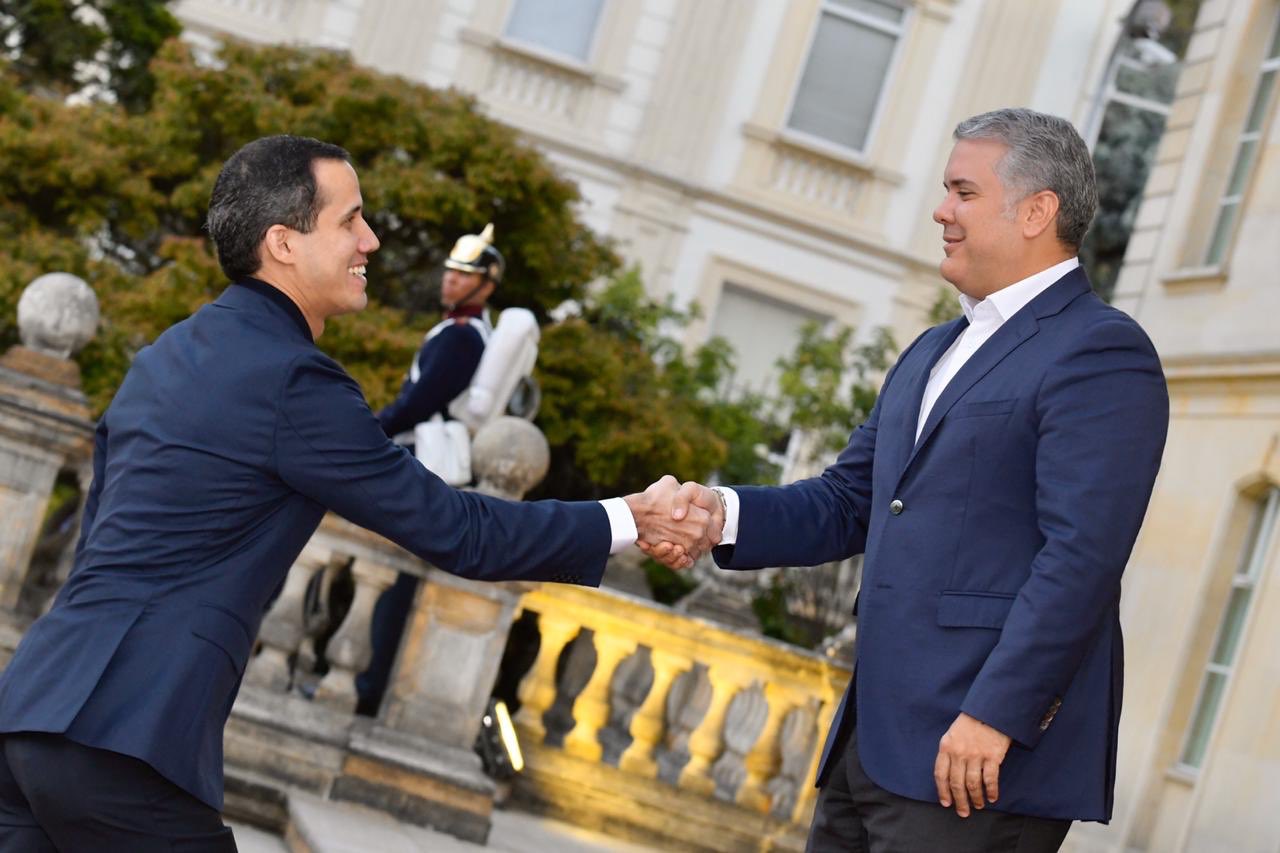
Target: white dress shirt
[985,318]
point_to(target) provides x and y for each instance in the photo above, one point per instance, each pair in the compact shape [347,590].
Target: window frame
[1225,199]
[543,52]
[1259,545]
[900,30]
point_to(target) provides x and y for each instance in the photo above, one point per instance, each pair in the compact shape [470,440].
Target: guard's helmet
[476,253]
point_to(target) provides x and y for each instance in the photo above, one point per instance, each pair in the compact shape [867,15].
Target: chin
[952,272]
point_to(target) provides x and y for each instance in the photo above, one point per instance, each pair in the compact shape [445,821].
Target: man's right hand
[690,502]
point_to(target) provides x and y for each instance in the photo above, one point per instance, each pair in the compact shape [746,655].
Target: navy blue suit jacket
[995,589]
[228,440]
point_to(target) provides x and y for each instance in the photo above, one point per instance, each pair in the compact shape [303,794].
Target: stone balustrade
[636,718]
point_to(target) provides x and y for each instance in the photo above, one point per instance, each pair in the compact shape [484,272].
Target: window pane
[883,9]
[1221,234]
[1206,713]
[560,26]
[1260,536]
[1224,651]
[1275,42]
[1241,169]
[842,81]
[1261,100]
[761,330]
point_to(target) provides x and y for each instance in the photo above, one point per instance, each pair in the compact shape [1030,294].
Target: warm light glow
[508,733]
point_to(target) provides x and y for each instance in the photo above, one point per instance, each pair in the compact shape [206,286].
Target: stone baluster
[630,685]
[574,669]
[283,628]
[743,723]
[538,690]
[687,704]
[795,750]
[44,426]
[350,649]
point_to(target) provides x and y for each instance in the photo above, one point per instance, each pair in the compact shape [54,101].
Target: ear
[1039,213]
[276,244]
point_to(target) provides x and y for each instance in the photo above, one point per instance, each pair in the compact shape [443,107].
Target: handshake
[676,524]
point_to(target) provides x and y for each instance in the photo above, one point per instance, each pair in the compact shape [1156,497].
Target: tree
[624,403]
[64,46]
[119,198]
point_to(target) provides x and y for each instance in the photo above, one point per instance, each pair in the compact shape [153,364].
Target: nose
[369,243]
[943,213]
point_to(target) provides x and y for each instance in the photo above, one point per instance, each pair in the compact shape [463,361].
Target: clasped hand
[677,523]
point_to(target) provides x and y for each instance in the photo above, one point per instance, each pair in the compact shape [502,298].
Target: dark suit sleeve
[1103,413]
[446,364]
[95,490]
[330,448]
[824,518]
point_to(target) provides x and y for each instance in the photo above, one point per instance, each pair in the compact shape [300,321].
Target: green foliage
[623,403]
[773,608]
[119,198]
[829,386]
[668,586]
[62,45]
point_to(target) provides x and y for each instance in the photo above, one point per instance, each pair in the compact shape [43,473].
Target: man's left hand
[967,770]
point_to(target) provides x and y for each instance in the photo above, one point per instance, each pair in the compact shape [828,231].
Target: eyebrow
[946,185]
[355,208]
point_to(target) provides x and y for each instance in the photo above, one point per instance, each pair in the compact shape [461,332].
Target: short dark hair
[270,181]
[1045,153]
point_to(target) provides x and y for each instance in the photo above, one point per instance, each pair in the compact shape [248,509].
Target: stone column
[418,761]
[44,419]
[454,641]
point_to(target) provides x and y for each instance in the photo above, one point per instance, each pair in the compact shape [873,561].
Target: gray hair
[1045,153]
[270,181]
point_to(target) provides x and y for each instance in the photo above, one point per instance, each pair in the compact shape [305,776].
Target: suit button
[895,507]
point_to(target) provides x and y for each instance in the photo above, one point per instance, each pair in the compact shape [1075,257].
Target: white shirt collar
[1008,300]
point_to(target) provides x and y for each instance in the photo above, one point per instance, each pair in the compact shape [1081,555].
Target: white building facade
[775,161]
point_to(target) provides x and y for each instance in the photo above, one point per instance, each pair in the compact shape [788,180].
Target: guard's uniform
[443,369]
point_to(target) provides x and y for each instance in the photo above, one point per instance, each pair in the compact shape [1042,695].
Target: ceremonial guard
[441,370]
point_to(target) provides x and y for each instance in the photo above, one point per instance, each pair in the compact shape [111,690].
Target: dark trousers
[854,815]
[57,796]
[390,613]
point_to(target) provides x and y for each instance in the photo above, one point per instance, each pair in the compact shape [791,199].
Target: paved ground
[343,828]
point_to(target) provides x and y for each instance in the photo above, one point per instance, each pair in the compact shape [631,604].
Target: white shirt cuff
[622,525]
[729,536]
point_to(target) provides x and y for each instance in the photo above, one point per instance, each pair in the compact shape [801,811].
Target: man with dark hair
[996,490]
[229,438]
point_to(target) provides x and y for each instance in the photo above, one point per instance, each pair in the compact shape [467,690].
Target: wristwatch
[724,504]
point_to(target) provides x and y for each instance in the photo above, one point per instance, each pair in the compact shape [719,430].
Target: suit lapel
[915,381]
[1007,338]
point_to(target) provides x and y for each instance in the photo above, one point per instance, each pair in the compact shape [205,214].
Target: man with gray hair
[996,490]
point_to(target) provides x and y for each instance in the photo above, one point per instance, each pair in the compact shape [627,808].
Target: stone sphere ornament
[509,456]
[57,314]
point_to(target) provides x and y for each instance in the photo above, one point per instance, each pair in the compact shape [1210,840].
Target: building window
[1226,645]
[1246,153]
[761,331]
[844,78]
[563,27]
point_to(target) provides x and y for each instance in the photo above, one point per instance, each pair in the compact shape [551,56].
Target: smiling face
[983,239]
[331,258]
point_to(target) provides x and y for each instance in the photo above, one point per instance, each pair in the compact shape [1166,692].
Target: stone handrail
[692,714]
